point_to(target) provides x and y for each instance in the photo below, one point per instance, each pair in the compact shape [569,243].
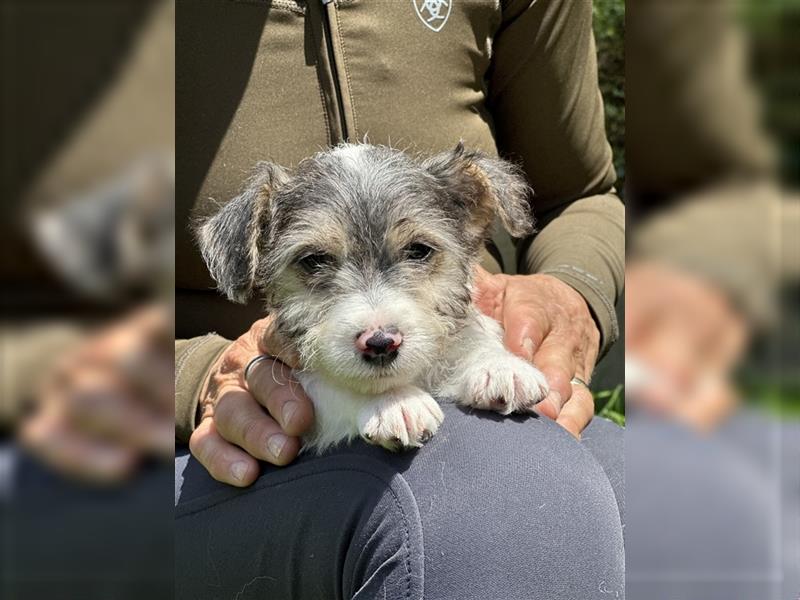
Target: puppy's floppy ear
[485,187]
[229,240]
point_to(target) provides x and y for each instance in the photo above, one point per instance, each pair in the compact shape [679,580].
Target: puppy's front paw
[402,419]
[504,383]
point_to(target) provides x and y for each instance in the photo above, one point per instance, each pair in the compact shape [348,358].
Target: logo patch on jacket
[433,13]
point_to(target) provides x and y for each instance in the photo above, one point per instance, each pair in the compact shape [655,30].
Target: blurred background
[86,387]
[711,318]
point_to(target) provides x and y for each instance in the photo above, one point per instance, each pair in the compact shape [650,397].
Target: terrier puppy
[365,258]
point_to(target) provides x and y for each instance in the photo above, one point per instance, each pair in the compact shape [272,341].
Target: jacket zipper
[328,17]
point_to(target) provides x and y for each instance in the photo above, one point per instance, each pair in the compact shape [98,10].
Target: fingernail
[527,346]
[276,444]
[239,470]
[287,412]
[555,399]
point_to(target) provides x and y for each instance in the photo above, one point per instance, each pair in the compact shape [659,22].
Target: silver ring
[578,381]
[257,359]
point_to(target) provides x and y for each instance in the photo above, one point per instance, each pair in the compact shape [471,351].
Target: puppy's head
[364,254]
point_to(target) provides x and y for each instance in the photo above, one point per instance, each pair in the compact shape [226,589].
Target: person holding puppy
[279,81]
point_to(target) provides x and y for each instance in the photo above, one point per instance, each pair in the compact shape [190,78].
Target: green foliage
[609,32]
[611,404]
[771,27]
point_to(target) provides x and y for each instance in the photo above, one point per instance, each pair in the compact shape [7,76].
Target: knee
[509,462]
[521,493]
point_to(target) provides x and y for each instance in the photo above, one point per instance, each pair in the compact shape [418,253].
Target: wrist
[194,360]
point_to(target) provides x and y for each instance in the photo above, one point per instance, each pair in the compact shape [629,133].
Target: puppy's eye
[312,263]
[419,252]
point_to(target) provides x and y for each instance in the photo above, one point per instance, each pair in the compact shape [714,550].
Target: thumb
[523,335]
[488,293]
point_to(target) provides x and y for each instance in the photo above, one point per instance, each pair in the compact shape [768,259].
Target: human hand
[683,338]
[109,403]
[261,418]
[549,323]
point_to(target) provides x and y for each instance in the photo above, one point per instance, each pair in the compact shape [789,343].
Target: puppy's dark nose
[379,345]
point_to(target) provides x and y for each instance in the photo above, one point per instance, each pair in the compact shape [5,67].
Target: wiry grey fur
[364,208]
[229,240]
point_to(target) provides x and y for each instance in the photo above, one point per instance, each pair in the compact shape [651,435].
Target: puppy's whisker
[272,373]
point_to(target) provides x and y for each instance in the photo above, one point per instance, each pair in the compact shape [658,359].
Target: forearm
[736,235]
[193,360]
[584,246]
[548,113]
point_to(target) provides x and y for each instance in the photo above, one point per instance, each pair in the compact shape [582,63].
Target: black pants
[491,508]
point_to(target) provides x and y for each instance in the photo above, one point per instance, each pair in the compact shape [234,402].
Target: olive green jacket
[278,80]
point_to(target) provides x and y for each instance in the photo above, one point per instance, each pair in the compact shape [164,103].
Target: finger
[242,421]
[224,461]
[525,329]
[556,360]
[72,453]
[577,412]
[274,387]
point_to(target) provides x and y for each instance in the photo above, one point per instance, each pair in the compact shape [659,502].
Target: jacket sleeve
[193,359]
[740,236]
[548,114]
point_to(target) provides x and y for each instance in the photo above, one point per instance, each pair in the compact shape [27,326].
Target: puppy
[365,257]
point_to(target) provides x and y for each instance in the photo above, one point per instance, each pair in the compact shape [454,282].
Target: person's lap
[491,507]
